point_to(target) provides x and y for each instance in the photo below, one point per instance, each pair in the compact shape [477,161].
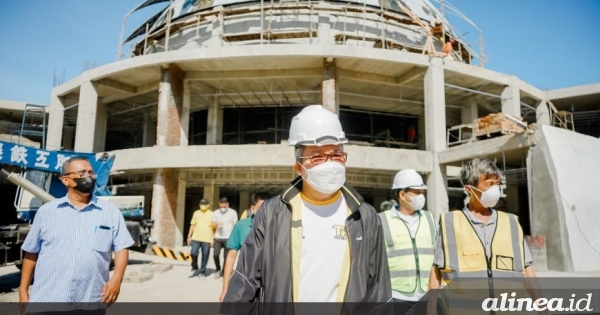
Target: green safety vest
[410,259]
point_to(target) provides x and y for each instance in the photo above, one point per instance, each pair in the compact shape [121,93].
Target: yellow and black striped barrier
[170,254]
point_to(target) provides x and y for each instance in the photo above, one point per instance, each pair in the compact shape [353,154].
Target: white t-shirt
[323,247]
[227,220]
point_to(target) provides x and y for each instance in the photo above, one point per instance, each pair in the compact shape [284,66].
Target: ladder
[33,115]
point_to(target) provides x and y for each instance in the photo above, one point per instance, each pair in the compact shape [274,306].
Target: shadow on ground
[10,281]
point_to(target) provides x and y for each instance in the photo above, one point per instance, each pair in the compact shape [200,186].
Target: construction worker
[238,236]
[318,241]
[200,237]
[410,236]
[480,241]
[448,47]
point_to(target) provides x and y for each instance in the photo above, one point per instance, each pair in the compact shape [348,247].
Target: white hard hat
[315,125]
[408,178]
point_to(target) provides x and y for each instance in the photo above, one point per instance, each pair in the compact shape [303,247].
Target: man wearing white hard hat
[410,235]
[318,241]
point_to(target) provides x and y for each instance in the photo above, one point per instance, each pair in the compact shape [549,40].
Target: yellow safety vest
[410,259]
[466,262]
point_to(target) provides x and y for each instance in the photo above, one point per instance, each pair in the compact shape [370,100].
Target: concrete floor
[173,285]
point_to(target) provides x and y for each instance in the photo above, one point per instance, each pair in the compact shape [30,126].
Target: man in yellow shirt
[200,236]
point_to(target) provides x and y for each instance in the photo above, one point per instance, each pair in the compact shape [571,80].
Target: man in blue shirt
[238,236]
[70,244]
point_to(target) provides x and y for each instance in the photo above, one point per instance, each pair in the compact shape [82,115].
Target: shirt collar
[396,212]
[64,202]
[473,219]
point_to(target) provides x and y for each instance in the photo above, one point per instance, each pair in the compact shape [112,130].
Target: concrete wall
[564,168]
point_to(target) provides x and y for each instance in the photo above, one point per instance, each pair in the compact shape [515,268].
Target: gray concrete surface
[170,286]
[174,284]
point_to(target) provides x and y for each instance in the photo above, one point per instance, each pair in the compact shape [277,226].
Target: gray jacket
[265,258]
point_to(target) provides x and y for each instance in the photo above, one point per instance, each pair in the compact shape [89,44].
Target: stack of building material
[498,123]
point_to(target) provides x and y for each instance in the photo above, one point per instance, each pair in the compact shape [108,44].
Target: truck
[36,172]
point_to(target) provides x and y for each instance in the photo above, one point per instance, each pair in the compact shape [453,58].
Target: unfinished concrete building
[202,108]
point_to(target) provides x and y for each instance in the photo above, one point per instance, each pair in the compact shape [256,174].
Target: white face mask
[490,197]
[417,202]
[326,178]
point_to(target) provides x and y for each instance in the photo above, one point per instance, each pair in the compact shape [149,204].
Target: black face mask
[84,184]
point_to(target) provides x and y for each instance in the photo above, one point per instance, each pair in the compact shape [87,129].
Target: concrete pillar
[168,191]
[180,209]
[245,201]
[211,192]
[511,99]
[329,87]
[214,125]
[435,135]
[185,114]
[86,118]
[149,132]
[543,114]
[100,132]
[469,112]
[55,123]
[324,29]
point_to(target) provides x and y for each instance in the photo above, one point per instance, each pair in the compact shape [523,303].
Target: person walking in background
[200,237]
[238,236]
[223,221]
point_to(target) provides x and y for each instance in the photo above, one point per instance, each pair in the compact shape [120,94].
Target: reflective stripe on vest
[409,259]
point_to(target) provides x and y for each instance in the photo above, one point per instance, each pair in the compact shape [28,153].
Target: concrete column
[86,118]
[149,132]
[168,191]
[324,29]
[214,125]
[180,210]
[469,112]
[211,192]
[185,114]
[511,99]
[543,114]
[55,123]
[100,132]
[435,135]
[245,201]
[329,87]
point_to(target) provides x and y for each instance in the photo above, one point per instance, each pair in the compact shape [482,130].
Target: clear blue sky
[548,43]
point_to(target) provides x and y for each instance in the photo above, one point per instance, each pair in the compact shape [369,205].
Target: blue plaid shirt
[75,249]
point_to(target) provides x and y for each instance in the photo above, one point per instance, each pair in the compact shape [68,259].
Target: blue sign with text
[34,158]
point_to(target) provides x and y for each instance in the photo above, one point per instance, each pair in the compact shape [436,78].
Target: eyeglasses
[319,158]
[82,173]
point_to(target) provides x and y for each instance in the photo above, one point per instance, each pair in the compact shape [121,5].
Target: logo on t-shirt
[340,232]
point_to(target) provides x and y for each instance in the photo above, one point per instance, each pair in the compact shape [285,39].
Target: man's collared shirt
[75,249]
[485,232]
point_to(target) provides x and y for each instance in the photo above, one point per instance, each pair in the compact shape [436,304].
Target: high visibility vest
[476,276]
[410,259]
